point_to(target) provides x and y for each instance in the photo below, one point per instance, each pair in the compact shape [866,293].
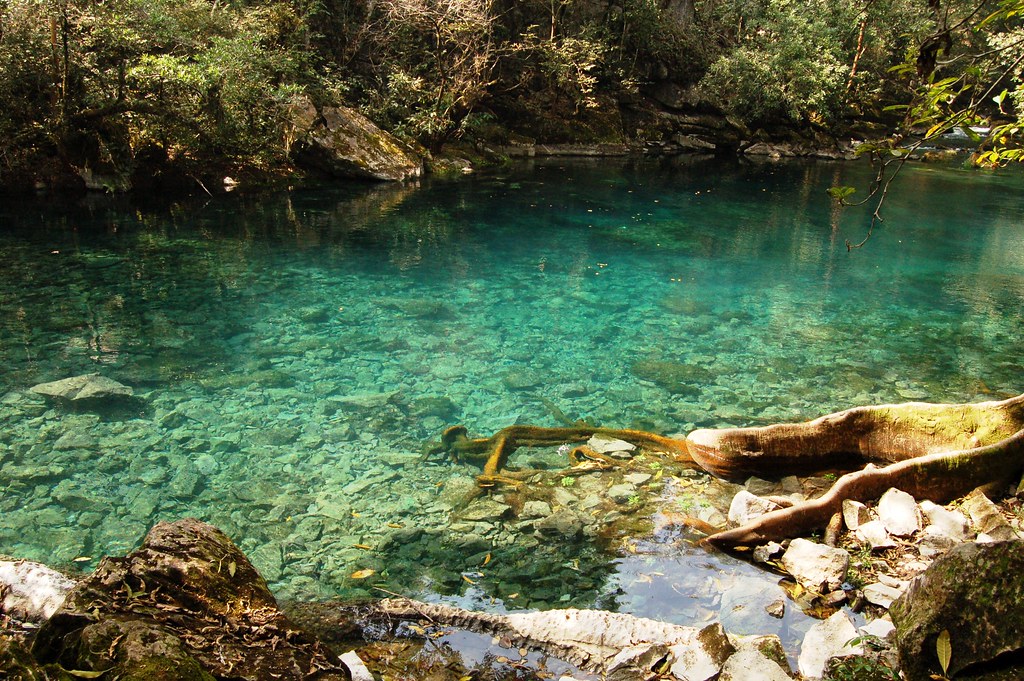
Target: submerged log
[932,451]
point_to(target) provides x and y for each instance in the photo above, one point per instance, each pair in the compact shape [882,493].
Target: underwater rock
[420,308]
[675,377]
[975,592]
[523,379]
[562,523]
[188,604]
[484,509]
[602,444]
[442,407]
[84,389]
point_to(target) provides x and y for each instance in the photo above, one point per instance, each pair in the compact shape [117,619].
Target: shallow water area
[292,353]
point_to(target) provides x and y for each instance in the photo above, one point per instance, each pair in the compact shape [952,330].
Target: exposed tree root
[496,450]
[933,451]
[938,477]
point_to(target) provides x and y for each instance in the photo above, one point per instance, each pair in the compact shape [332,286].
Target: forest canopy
[201,85]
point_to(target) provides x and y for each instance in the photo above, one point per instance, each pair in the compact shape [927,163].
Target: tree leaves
[944,650]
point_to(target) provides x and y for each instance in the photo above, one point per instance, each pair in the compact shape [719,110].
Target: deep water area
[291,353]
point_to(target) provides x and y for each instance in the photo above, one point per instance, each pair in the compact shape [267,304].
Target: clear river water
[292,352]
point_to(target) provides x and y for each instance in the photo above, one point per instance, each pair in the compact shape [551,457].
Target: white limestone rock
[817,567]
[356,667]
[701,658]
[934,542]
[874,534]
[608,445]
[746,507]
[899,513]
[855,514]
[881,627]
[881,594]
[750,664]
[952,524]
[31,591]
[826,639]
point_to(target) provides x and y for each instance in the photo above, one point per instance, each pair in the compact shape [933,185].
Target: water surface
[293,352]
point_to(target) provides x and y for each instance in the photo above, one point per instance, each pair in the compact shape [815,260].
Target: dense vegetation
[192,86]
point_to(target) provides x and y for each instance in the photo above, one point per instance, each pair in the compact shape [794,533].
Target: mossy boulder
[976,593]
[187,605]
[342,142]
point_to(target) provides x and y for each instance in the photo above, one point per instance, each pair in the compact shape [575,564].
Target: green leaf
[840,193]
[944,650]
[84,674]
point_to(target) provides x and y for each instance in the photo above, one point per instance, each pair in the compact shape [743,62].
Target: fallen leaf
[396,525]
[363,574]
[468,579]
[487,559]
[364,547]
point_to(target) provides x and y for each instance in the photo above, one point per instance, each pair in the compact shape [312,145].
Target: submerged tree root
[933,451]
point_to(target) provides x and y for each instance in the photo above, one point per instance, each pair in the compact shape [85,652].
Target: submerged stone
[87,388]
[675,377]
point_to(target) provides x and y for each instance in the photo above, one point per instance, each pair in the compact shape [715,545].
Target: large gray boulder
[344,143]
[976,593]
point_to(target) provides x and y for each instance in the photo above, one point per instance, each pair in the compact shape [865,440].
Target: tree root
[932,451]
[496,450]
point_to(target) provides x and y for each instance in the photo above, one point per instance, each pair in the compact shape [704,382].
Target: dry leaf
[363,574]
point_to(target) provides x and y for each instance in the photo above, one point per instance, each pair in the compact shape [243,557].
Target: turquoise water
[293,352]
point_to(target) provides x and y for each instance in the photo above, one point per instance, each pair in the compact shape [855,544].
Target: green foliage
[789,65]
[802,63]
[101,81]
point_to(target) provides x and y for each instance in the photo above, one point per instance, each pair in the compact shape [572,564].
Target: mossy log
[933,451]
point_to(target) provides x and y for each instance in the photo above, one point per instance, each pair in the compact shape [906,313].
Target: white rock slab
[855,514]
[875,535]
[881,594]
[609,445]
[750,664]
[899,513]
[31,591]
[952,524]
[701,659]
[826,639]
[356,666]
[818,567]
[746,507]
[880,627]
